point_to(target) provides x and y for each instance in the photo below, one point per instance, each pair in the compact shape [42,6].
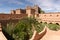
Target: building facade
[15,15]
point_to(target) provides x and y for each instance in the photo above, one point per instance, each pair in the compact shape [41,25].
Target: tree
[8,31]
[24,29]
[41,11]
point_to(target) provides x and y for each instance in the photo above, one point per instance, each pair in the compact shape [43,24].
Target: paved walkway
[51,35]
[48,35]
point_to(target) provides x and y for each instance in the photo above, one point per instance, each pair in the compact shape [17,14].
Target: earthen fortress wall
[15,15]
[49,17]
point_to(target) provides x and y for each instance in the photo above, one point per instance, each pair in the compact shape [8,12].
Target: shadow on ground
[8,36]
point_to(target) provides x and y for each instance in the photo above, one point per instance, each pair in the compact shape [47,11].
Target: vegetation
[23,30]
[8,31]
[54,27]
[41,11]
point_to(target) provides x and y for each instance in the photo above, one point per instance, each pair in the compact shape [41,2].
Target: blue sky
[46,5]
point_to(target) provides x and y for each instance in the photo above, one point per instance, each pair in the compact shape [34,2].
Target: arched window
[50,23]
[45,22]
[57,23]
[41,22]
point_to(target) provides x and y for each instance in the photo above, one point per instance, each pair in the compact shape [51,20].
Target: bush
[54,27]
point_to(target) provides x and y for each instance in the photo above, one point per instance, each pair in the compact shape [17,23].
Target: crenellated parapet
[18,11]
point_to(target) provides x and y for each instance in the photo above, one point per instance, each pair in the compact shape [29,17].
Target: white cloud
[1,4]
[11,2]
[47,5]
[14,2]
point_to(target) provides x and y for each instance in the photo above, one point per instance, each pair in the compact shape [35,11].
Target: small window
[3,17]
[57,15]
[44,15]
[50,15]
